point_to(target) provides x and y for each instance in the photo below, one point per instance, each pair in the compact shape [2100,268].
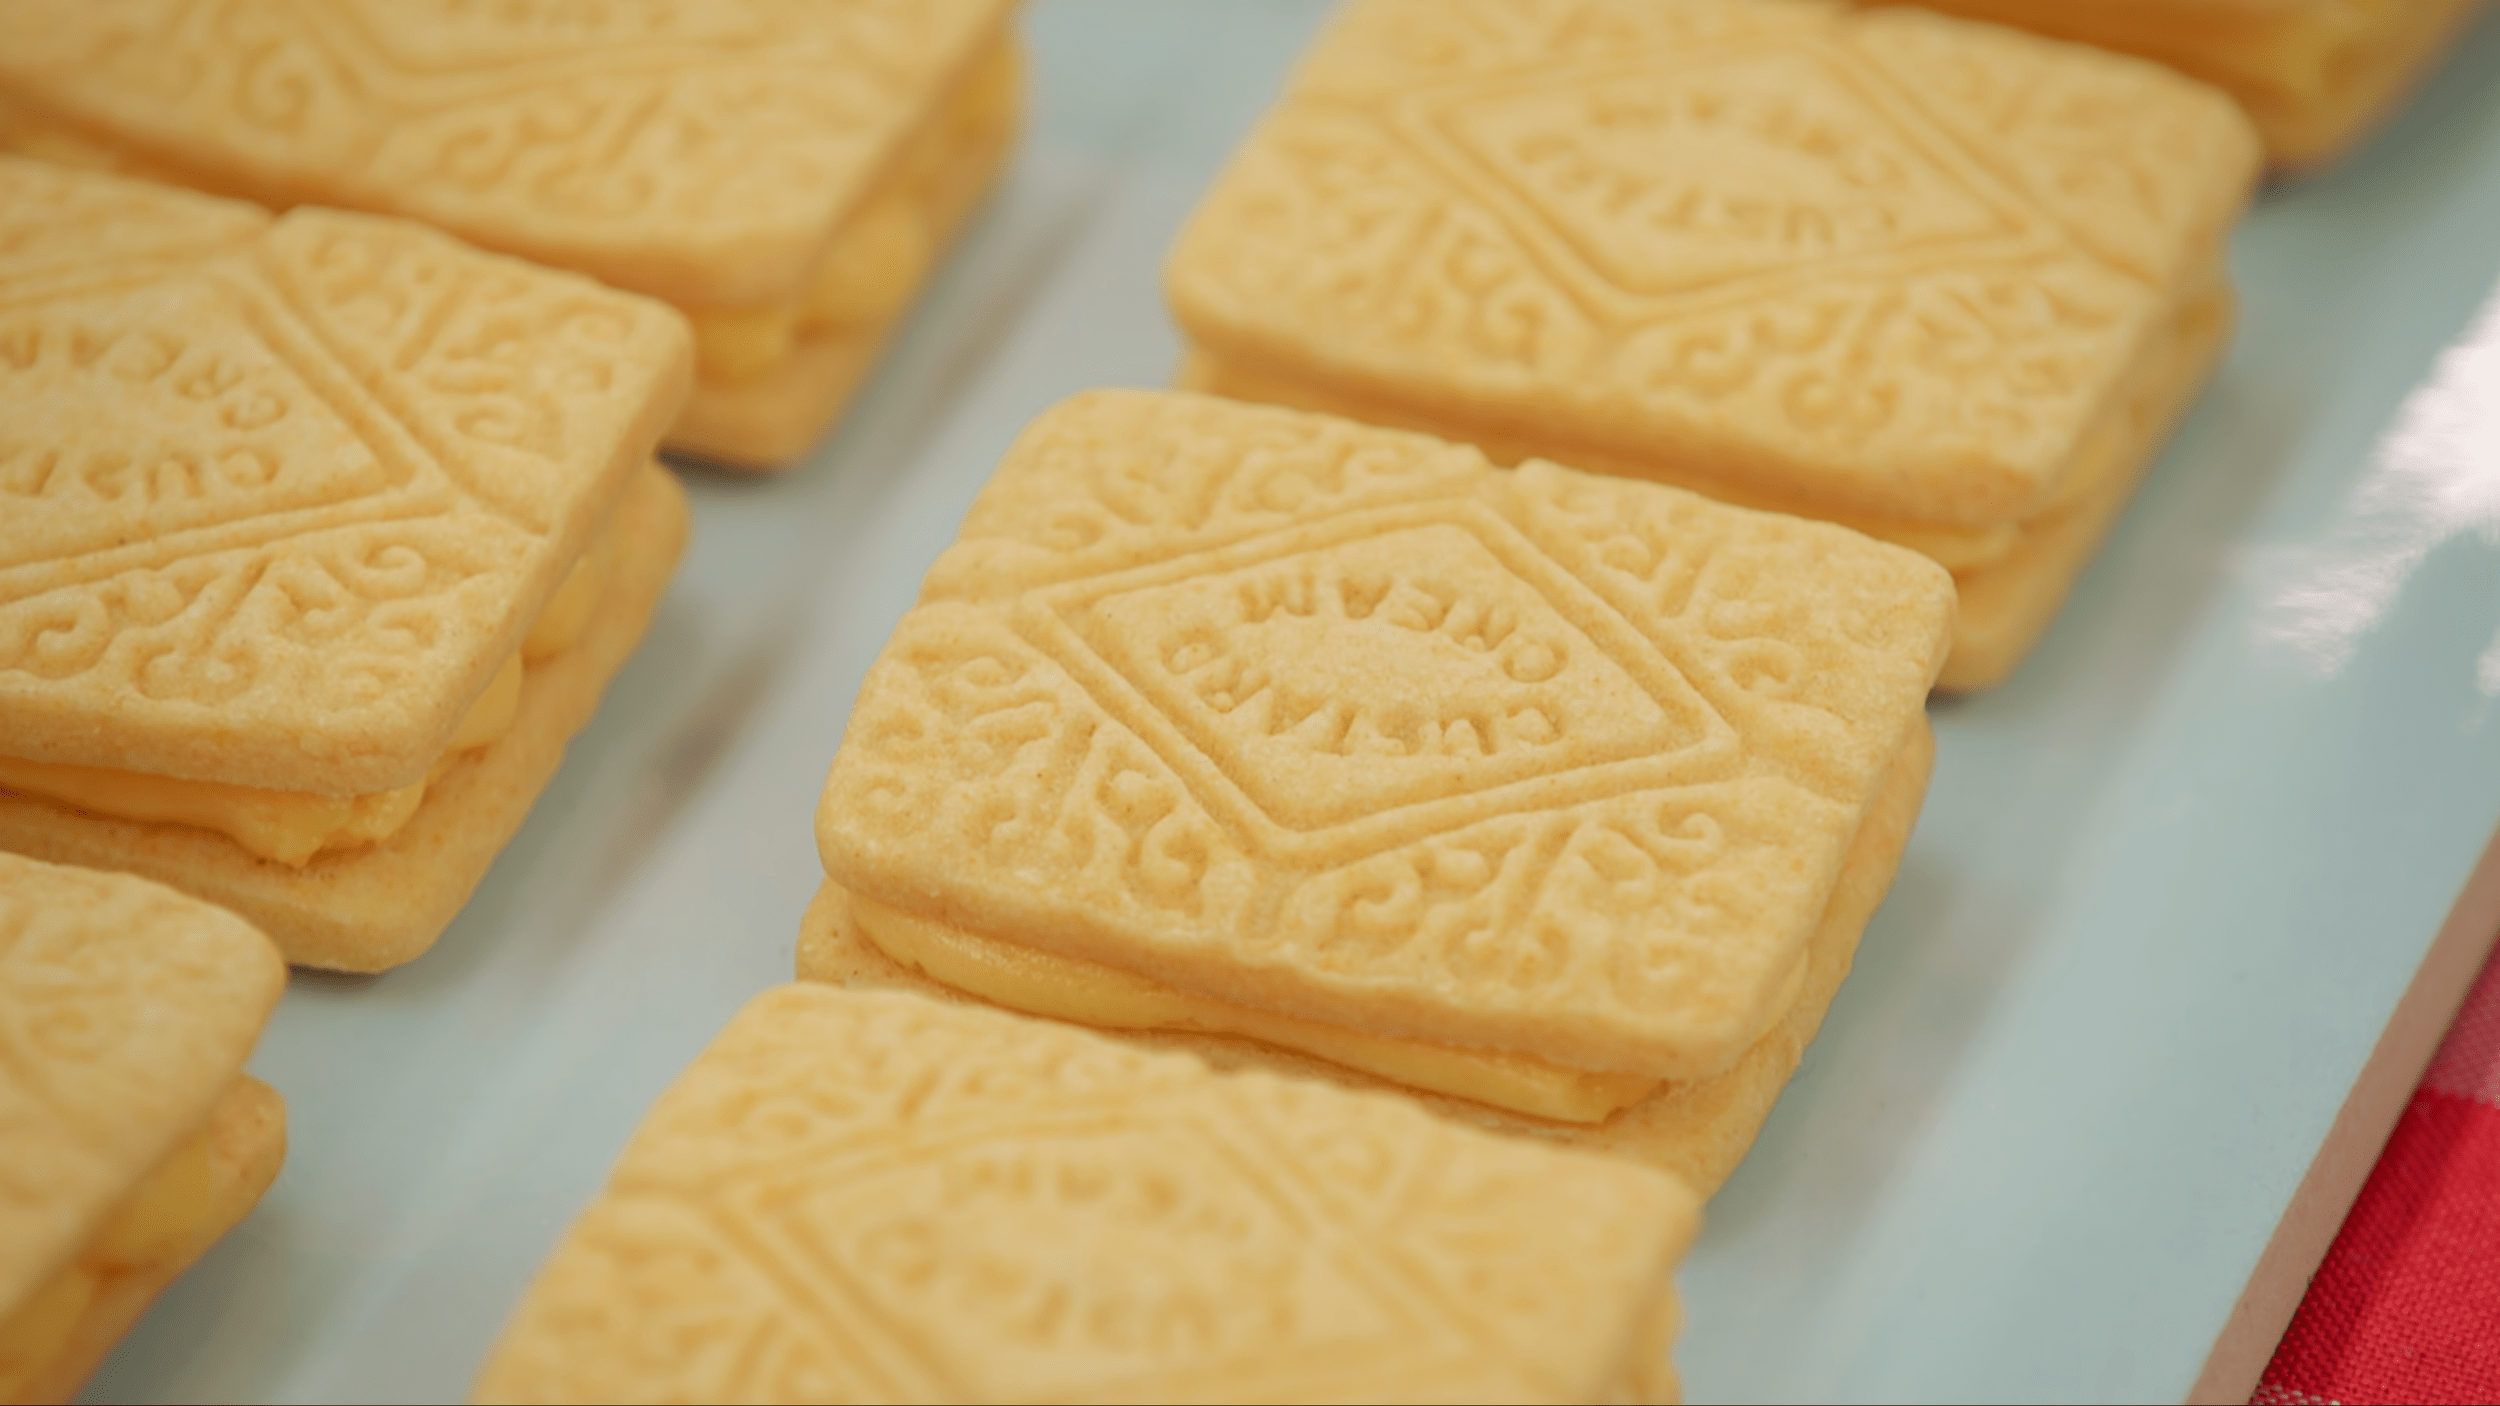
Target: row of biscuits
[1385,770]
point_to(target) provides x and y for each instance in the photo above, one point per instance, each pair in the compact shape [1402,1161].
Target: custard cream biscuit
[784,172]
[321,535]
[1347,727]
[1942,282]
[2315,75]
[134,1137]
[871,1197]
[1698,1129]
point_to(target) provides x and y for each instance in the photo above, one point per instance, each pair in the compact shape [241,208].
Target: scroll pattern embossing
[1377,744]
[1154,476]
[974,1207]
[1867,255]
[978,745]
[326,469]
[590,135]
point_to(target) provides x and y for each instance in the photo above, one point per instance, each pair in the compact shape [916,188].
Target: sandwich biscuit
[1941,282]
[321,536]
[1547,791]
[135,1140]
[784,172]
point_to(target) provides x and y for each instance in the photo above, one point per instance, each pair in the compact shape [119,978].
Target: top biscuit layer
[1345,721]
[856,1197]
[278,497]
[1882,260]
[125,1009]
[699,150]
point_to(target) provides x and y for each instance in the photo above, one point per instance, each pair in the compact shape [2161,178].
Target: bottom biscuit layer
[247,1141]
[372,909]
[1698,1130]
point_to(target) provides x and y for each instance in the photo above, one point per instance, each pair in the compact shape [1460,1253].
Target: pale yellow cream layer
[566,617]
[164,1213]
[295,827]
[1087,993]
[875,262]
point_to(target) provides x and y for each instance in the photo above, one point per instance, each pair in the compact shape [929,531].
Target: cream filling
[1088,993]
[161,1215]
[295,827]
[877,259]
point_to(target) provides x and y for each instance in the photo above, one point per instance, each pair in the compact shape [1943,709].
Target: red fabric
[2407,1305]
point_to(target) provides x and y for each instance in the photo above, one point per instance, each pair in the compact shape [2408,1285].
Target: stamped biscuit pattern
[1895,261]
[875,1197]
[589,133]
[125,1009]
[1205,687]
[278,495]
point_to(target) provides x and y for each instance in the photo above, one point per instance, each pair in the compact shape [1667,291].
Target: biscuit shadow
[627,776]
[2021,772]
[1867,1087]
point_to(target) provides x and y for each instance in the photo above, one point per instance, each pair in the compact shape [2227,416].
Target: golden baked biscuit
[133,1138]
[1530,786]
[318,537]
[1942,282]
[2314,75]
[785,172]
[870,1197]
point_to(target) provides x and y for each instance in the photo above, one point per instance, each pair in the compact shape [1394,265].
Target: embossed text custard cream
[319,537]
[1556,800]
[133,1138]
[1943,282]
[784,172]
[2315,75]
[873,1197]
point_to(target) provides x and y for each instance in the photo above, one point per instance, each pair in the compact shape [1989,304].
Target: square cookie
[784,172]
[1349,725]
[1943,282]
[855,1197]
[134,1138]
[321,534]
[2315,75]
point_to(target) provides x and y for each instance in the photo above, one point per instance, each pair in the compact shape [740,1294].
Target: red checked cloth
[2407,1305]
